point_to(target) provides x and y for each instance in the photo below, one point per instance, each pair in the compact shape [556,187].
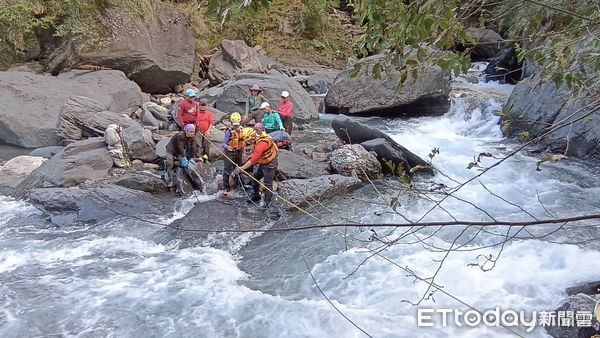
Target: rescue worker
[282,139]
[253,102]
[286,109]
[265,157]
[182,148]
[204,124]
[271,120]
[233,146]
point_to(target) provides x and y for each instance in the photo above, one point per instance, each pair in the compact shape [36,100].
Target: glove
[192,162]
[236,171]
[185,162]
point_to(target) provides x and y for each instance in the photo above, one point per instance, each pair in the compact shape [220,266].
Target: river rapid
[127,278]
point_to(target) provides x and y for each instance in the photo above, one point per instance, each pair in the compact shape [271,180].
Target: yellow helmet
[248,133]
[235,117]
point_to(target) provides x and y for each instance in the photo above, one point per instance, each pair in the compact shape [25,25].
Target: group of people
[251,143]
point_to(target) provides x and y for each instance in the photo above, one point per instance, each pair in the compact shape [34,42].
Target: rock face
[234,57]
[354,158]
[15,170]
[504,67]
[231,96]
[76,163]
[292,165]
[46,152]
[91,204]
[536,103]
[143,181]
[489,43]
[82,117]
[303,192]
[321,81]
[139,143]
[365,95]
[392,160]
[29,114]
[354,132]
[157,52]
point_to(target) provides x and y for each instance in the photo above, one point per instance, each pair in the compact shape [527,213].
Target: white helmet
[264,105]
[285,94]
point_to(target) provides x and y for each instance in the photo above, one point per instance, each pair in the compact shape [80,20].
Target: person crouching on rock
[253,102]
[204,124]
[265,157]
[282,139]
[183,148]
[271,119]
[233,145]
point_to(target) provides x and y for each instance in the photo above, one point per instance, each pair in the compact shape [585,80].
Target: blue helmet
[190,93]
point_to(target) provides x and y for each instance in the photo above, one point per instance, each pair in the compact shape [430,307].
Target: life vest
[236,141]
[271,153]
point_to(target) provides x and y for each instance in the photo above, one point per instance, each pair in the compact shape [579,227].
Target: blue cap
[190,93]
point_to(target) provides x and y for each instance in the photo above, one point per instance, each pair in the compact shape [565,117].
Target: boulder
[15,170]
[149,121]
[504,67]
[488,43]
[78,162]
[82,117]
[203,178]
[142,181]
[159,112]
[354,158]
[589,288]
[303,192]
[351,131]
[231,96]
[234,57]
[292,165]
[366,95]
[320,81]
[156,51]
[29,115]
[139,143]
[92,204]
[161,147]
[576,303]
[392,160]
[46,152]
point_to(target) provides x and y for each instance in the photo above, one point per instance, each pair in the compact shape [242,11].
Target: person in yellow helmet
[233,146]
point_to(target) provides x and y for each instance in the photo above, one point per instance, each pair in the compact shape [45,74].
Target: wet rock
[489,43]
[91,204]
[504,67]
[231,96]
[292,165]
[365,95]
[15,170]
[579,302]
[321,81]
[139,143]
[80,161]
[589,288]
[304,192]
[392,160]
[46,152]
[351,131]
[82,117]
[30,114]
[142,181]
[354,158]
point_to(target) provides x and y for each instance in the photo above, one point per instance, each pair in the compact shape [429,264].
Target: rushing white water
[125,278]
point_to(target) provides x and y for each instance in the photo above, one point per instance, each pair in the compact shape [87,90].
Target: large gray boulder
[29,115]
[80,161]
[392,160]
[234,57]
[142,181]
[231,96]
[537,103]
[15,170]
[354,158]
[365,95]
[156,51]
[304,192]
[46,152]
[348,130]
[95,203]
[577,303]
[82,117]
[292,165]
[320,81]
[139,143]
[488,43]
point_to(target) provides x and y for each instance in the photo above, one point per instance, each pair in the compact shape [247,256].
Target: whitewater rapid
[129,279]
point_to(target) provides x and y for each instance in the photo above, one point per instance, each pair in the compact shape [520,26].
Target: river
[126,278]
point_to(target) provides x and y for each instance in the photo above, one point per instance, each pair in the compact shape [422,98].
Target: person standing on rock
[271,119]
[285,110]
[204,124]
[253,102]
[233,146]
[182,148]
[187,110]
[265,157]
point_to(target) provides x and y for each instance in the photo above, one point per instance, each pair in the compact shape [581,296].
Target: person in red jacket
[286,109]
[188,109]
[204,124]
